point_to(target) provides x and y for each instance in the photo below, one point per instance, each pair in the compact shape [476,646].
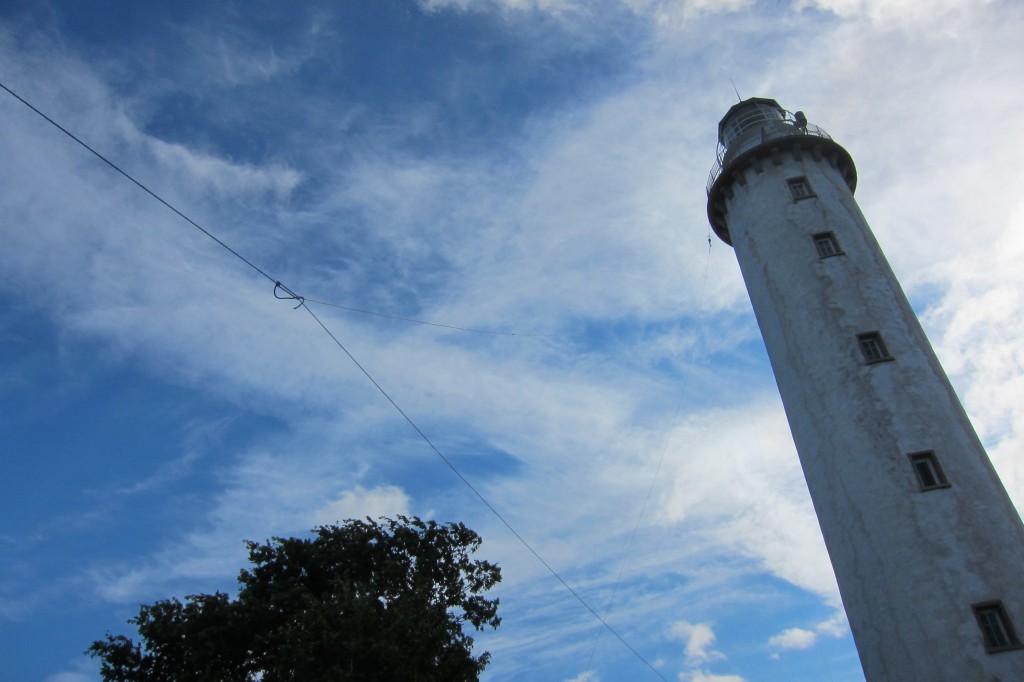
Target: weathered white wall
[909,564]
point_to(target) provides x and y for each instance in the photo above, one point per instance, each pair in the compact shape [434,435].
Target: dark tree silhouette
[364,600]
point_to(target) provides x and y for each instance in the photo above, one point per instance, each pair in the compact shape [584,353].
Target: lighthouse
[927,548]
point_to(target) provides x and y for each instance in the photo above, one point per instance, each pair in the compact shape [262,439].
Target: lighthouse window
[827,245]
[929,473]
[996,628]
[800,188]
[873,348]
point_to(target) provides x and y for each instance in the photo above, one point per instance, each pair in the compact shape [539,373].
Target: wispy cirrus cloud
[584,222]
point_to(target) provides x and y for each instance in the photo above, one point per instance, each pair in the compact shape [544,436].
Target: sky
[533,170]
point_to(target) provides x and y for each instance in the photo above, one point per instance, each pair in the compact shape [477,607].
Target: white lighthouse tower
[927,548]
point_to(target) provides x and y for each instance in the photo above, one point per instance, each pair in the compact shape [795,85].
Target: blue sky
[526,166]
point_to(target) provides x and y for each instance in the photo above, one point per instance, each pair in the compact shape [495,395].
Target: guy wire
[302,303]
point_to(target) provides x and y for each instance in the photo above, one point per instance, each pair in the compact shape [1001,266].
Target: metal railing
[769,131]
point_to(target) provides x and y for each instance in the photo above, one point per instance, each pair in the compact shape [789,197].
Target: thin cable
[137,183]
[661,460]
[432,324]
[302,304]
[199,227]
[480,495]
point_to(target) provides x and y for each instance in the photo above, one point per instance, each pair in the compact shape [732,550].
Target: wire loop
[292,296]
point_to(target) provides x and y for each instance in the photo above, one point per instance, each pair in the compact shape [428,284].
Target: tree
[364,600]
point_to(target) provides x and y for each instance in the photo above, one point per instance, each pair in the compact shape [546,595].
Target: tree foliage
[364,600]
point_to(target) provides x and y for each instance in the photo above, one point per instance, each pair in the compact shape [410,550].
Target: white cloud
[900,11]
[588,676]
[204,170]
[752,496]
[704,676]
[793,638]
[676,13]
[359,503]
[554,6]
[71,677]
[699,639]
[662,12]
[797,639]
[80,671]
[266,494]
[836,626]
[673,13]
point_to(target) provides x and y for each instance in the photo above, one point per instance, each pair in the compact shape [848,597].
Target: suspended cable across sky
[302,302]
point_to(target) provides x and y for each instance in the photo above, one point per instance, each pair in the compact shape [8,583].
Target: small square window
[873,348]
[996,628]
[929,473]
[827,245]
[800,188]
